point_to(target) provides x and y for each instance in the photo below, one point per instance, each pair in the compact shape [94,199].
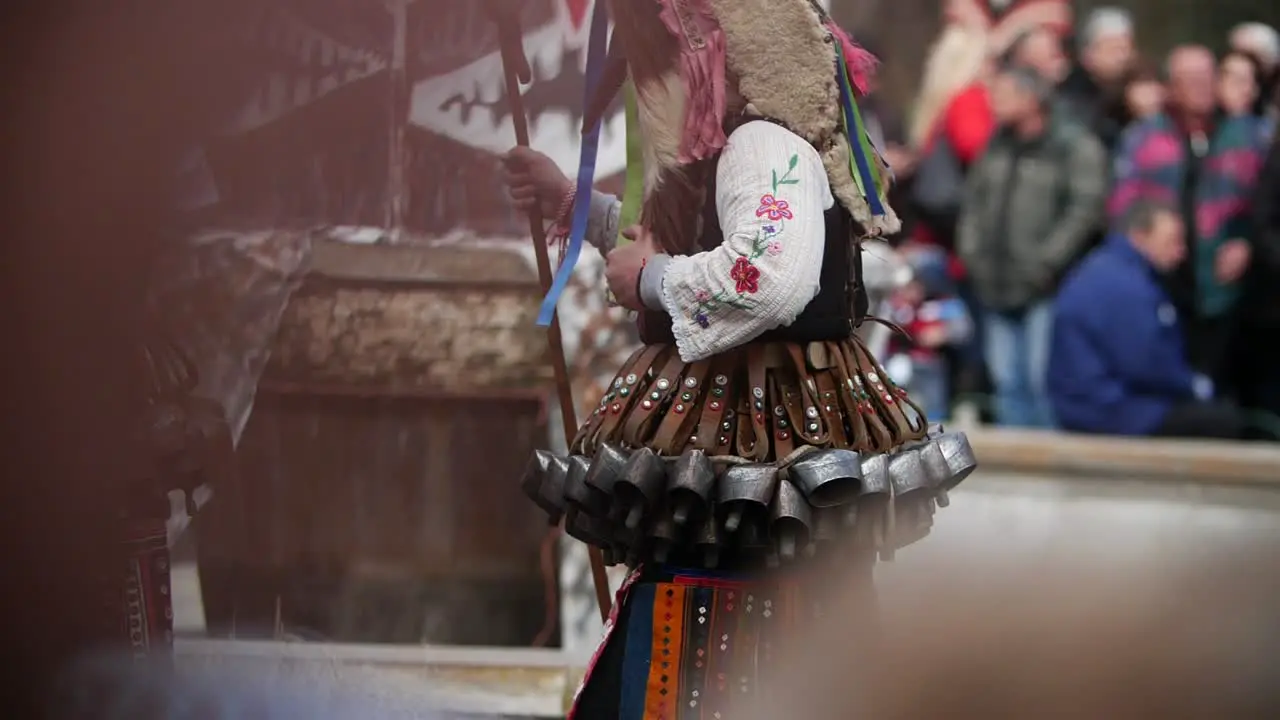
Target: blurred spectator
[1041,50]
[952,145]
[1259,40]
[1030,204]
[1095,89]
[965,127]
[1260,365]
[1262,42]
[1144,93]
[1205,164]
[935,318]
[1118,363]
[1240,79]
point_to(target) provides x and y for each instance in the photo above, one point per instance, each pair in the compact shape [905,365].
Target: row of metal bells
[638,506]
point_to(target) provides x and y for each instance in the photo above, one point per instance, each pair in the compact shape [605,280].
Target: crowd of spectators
[1108,230]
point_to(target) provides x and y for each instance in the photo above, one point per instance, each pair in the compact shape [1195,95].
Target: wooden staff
[515,66]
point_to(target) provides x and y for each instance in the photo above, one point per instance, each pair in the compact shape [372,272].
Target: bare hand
[623,265]
[533,178]
[1232,260]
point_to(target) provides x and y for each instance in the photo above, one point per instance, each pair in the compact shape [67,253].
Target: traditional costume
[753,434]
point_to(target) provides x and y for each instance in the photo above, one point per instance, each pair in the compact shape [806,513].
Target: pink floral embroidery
[701,296]
[774,248]
[774,209]
[746,275]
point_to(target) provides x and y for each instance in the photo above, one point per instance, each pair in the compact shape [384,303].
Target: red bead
[783,435]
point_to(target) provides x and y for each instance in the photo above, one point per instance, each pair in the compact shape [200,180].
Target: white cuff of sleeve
[651,281]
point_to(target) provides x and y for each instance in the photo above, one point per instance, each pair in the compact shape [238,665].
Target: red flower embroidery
[774,209]
[746,275]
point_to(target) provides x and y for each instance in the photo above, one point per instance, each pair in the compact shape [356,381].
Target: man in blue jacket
[1117,363]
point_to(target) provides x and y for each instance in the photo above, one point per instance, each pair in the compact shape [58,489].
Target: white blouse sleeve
[771,196]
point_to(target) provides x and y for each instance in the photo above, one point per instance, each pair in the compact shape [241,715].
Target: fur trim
[661,105]
[835,159]
[784,62]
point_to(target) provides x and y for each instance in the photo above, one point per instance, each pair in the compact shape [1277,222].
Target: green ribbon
[633,195]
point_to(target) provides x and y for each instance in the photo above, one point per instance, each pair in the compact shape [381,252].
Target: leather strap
[854,411]
[586,437]
[678,424]
[639,424]
[829,407]
[783,440]
[802,401]
[886,404]
[718,401]
[634,382]
[875,436]
[756,382]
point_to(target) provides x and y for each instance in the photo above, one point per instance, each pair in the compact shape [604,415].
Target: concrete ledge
[1182,461]
[526,682]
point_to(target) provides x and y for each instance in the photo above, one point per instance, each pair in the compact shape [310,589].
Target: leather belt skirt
[759,456]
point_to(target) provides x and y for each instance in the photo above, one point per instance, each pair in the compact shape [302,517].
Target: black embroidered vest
[832,314]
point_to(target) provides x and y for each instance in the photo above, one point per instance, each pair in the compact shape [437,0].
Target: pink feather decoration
[703,71]
[862,64]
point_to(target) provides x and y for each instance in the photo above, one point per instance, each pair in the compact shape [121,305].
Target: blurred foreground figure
[116,687]
[1192,634]
[754,427]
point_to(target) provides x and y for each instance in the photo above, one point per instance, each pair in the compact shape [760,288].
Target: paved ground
[1004,515]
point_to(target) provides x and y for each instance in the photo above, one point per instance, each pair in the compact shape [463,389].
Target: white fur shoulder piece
[771,196]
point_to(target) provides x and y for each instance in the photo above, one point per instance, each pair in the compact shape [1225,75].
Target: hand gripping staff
[515,67]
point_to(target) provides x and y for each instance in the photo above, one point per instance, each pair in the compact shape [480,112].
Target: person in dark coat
[1117,363]
[1258,353]
[1094,90]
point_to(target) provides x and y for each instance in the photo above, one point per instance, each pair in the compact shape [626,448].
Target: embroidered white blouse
[771,196]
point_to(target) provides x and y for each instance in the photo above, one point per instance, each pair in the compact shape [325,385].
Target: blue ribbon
[853,132]
[596,51]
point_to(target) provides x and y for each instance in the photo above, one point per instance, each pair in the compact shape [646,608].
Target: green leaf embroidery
[786,178]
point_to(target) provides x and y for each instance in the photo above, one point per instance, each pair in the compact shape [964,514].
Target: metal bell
[827,528]
[828,477]
[641,486]
[576,490]
[753,533]
[536,482]
[875,508]
[692,481]
[746,489]
[708,540]
[664,534]
[914,520]
[607,466]
[791,520]
[936,467]
[586,528]
[908,475]
[960,458]
[875,478]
